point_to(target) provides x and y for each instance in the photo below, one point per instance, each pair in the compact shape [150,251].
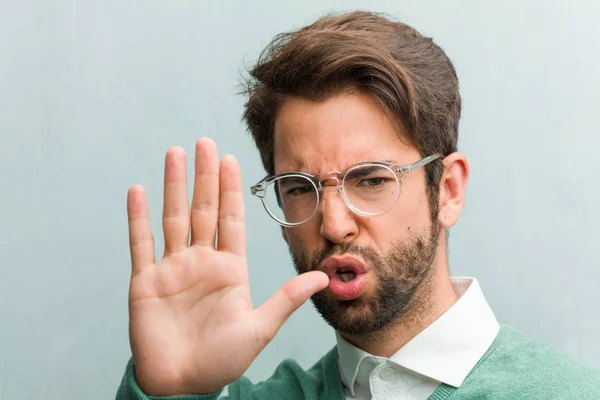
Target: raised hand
[192,326]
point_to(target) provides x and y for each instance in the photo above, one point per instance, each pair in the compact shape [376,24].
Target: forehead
[334,134]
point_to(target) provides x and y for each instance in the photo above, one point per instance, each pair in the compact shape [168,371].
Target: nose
[338,223]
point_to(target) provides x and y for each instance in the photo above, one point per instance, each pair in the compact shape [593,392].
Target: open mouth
[345,274]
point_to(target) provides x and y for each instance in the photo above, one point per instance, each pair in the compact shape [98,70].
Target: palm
[193,328]
[189,301]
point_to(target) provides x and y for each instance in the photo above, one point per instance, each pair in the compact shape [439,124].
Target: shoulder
[516,366]
[291,381]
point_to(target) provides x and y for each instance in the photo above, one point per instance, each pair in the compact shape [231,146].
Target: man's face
[394,251]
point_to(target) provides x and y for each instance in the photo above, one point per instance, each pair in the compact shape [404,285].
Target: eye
[372,182]
[300,190]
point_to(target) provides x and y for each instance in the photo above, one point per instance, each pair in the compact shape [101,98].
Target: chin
[355,317]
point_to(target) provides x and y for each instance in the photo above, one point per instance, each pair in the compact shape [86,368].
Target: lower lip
[347,290]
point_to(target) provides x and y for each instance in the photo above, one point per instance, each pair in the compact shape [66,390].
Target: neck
[432,299]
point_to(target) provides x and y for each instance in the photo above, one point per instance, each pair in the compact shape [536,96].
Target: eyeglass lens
[370,189]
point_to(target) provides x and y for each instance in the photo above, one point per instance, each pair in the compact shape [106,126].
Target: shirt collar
[447,349]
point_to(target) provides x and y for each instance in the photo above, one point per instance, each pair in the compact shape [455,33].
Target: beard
[399,273]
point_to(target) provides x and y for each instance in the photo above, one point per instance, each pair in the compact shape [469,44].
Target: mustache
[367,253]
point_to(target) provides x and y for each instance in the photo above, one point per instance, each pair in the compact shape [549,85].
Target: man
[356,120]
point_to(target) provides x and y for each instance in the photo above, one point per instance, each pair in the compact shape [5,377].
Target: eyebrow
[299,166]
[365,171]
[292,181]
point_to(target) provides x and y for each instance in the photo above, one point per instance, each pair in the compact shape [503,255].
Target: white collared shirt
[444,352]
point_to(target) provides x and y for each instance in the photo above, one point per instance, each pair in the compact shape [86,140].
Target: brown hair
[405,73]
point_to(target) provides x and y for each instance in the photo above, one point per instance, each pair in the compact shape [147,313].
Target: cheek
[414,204]
[409,217]
[302,239]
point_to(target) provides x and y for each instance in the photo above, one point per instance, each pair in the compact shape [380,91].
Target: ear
[284,234]
[453,185]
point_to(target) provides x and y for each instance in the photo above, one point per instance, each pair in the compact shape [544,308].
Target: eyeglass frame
[259,189]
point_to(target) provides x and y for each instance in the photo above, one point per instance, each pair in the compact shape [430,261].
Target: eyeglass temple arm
[418,164]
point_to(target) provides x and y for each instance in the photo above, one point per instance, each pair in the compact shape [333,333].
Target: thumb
[275,311]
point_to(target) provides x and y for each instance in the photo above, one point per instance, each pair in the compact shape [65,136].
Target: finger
[141,241]
[285,301]
[176,214]
[231,230]
[205,203]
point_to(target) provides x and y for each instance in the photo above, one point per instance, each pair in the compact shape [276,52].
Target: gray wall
[92,94]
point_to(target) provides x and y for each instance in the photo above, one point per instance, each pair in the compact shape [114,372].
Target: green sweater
[514,367]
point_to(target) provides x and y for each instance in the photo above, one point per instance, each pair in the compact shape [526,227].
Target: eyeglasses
[368,188]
